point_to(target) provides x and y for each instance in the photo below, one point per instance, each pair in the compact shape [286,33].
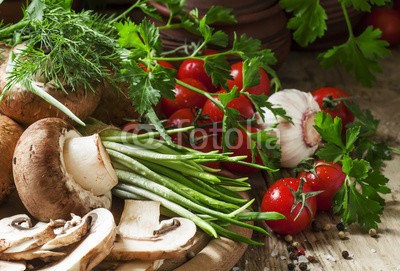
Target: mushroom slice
[12,266]
[46,187]
[142,236]
[94,247]
[68,233]
[36,253]
[134,265]
[17,234]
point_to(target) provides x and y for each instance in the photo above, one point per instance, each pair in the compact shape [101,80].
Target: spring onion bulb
[299,139]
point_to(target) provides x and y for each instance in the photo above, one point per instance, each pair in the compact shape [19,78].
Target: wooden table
[302,71]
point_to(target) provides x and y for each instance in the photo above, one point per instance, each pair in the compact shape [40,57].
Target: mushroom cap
[26,107]
[10,131]
[42,182]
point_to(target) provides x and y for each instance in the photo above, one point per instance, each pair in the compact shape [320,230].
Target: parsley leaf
[359,55]
[364,5]
[309,21]
[359,199]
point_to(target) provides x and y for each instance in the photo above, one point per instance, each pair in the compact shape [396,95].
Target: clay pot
[260,19]
[336,32]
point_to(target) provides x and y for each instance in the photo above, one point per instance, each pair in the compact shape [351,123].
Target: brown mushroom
[25,107]
[142,236]
[54,178]
[10,131]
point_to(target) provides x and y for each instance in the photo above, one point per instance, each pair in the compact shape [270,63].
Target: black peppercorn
[303,266]
[340,226]
[293,256]
[291,266]
[345,254]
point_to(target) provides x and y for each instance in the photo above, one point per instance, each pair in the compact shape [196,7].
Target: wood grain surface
[302,71]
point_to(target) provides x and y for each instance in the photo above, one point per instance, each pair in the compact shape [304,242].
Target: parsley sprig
[359,55]
[362,158]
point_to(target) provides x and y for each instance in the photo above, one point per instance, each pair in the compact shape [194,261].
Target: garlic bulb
[299,139]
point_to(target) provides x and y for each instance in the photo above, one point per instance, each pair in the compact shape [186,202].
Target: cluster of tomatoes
[387,19]
[313,188]
[299,198]
[192,108]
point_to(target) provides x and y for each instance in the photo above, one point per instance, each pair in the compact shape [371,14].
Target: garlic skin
[299,140]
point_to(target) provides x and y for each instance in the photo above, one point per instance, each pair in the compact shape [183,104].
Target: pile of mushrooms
[78,244]
[59,172]
[140,242]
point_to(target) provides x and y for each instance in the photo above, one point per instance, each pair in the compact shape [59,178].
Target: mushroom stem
[88,162]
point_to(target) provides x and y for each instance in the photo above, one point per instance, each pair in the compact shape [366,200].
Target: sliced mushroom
[93,248]
[12,266]
[43,179]
[142,236]
[17,234]
[68,233]
[10,131]
[134,265]
[25,107]
[35,253]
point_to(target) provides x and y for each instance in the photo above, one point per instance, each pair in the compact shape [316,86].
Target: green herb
[359,200]
[68,49]
[359,55]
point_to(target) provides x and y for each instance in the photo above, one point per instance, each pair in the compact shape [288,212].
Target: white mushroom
[12,266]
[93,248]
[134,265]
[68,233]
[47,176]
[17,234]
[142,236]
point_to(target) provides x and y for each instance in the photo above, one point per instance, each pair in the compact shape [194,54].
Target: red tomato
[194,68]
[241,103]
[242,146]
[328,99]
[279,198]
[166,64]
[198,139]
[184,97]
[387,20]
[237,73]
[327,177]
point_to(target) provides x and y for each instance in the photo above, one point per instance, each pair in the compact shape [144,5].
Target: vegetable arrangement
[218,113]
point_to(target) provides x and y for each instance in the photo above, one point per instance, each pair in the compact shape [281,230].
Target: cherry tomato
[184,97]
[194,68]
[198,139]
[237,73]
[280,198]
[328,99]
[166,64]
[241,103]
[327,177]
[242,146]
[387,20]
